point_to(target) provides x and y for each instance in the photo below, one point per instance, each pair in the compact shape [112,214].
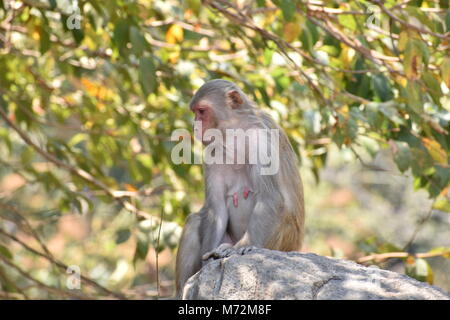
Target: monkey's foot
[225,250]
[244,250]
[222,251]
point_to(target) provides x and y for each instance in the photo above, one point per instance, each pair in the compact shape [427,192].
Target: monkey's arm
[216,219]
[263,221]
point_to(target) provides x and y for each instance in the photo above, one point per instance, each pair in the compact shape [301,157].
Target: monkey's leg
[189,259]
[261,227]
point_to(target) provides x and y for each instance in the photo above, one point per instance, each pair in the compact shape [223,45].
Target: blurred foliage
[90,92]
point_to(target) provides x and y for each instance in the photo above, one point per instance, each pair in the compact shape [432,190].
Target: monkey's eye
[201,111]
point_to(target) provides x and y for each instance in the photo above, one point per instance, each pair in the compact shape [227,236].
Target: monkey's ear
[235,99]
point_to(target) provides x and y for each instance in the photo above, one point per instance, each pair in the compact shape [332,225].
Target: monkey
[243,208]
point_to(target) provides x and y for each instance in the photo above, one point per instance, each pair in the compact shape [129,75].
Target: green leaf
[287,7]
[81,203]
[413,96]
[312,122]
[422,161]
[447,21]
[146,160]
[138,41]
[44,40]
[77,139]
[268,53]
[122,236]
[78,35]
[121,34]
[53,4]
[194,5]
[434,88]
[445,251]
[5,252]
[442,204]
[423,17]
[416,57]
[382,88]
[402,155]
[347,20]
[27,156]
[443,174]
[4,135]
[147,75]
[420,270]
[445,71]
[388,109]
[141,248]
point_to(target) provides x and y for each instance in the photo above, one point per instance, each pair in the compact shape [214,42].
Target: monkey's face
[215,110]
[204,113]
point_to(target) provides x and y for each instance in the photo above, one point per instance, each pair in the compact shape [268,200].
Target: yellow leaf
[130,187]
[430,276]
[444,251]
[410,260]
[97,90]
[174,34]
[347,55]
[174,56]
[435,150]
[291,31]
[445,71]
[401,80]
[402,40]
[442,203]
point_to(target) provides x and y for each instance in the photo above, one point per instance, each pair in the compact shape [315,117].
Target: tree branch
[75,171]
[61,265]
[43,285]
[389,255]
[408,25]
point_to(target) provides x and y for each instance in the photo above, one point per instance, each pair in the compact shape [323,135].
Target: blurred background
[91,204]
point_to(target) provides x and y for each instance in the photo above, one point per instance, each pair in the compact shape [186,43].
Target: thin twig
[43,285]
[419,226]
[157,254]
[408,25]
[29,227]
[76,171]
[378,257]
[7,281]
[61,265]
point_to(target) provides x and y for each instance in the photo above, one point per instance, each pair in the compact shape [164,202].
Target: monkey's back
[288,235]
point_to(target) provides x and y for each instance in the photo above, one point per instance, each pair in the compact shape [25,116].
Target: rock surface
[266,274]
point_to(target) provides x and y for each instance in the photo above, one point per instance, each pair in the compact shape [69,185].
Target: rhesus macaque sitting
[244,206]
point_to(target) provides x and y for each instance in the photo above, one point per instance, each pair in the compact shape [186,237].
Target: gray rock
[266,274]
